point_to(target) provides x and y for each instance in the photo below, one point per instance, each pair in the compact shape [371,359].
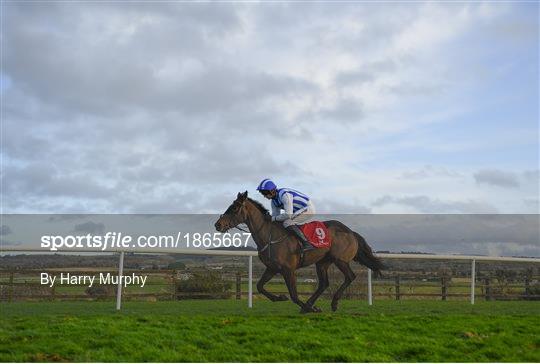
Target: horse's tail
[365,256]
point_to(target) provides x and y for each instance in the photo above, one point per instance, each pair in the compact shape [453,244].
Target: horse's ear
[241,196]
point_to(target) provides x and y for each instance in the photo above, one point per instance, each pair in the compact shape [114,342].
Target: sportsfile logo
[119,240]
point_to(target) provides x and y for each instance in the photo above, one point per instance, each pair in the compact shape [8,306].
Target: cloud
[39,180]
[5,242]
[345,110]
[326,206]
[5,230]
[175,107]
[532,175]
[493,234]
[496,178]
[90,227]
[507,248]
[430,171]
[487,234]
[425,204]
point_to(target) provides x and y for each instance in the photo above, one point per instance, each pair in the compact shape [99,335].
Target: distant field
[226,330]
[410,289]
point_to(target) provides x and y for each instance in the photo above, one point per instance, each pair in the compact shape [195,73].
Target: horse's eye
[236,208]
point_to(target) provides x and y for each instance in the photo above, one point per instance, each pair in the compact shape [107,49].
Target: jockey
[297,207]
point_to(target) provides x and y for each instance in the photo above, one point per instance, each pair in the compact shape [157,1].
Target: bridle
[247,231]
[270,242]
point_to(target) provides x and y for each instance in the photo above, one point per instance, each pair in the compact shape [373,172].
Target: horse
[280,251]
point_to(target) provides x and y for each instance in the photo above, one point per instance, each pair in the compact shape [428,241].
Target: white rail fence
[251,254]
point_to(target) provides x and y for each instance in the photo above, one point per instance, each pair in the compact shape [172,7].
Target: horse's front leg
[266,276]
[290,279]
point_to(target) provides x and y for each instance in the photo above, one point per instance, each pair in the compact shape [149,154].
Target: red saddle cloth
[317,234]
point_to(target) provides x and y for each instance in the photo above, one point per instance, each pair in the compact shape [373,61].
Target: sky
[174,107]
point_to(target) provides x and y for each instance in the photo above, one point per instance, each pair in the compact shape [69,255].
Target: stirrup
[303,252]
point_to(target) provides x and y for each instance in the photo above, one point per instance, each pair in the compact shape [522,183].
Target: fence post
[444,288]
[370,292]
[238,285]
[10,294]
[174,274]
[473,279]
[527,286]
[487,288]
[250,282]
[397,288]
[119,288]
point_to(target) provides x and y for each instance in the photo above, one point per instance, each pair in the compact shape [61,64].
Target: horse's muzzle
[220,227]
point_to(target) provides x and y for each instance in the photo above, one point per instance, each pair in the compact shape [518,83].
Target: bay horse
[280,251]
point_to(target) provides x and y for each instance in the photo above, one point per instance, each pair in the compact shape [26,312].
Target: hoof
[334,307]
[310,309]
[281,297]
[307,309]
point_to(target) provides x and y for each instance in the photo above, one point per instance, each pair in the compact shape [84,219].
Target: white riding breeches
[301,216]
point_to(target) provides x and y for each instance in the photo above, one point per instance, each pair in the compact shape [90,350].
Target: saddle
[317,234]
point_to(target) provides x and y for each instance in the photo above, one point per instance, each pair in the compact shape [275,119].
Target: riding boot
[305,244]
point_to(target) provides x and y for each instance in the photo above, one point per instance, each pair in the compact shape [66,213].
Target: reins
[244,230]
[270,242]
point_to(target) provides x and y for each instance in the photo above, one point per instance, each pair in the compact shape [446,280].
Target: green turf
[226,330]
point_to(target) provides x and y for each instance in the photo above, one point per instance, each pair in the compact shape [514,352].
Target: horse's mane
[260,207]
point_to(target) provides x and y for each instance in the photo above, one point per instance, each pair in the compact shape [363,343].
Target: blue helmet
[266,185]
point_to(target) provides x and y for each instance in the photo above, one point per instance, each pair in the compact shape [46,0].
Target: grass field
[226,330]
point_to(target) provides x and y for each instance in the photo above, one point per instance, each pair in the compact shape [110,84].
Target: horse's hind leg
[322,276]
[266,276]
[345,268]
